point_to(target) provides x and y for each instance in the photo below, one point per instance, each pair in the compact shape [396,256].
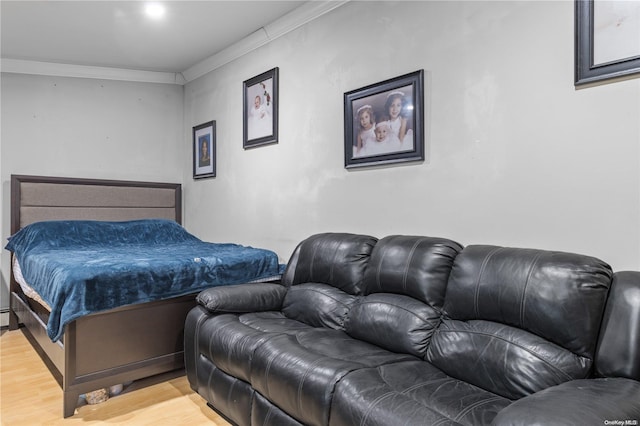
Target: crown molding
[289,22]
[306,13]
[19,66]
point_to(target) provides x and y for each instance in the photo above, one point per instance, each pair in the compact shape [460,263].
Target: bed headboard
[37,198]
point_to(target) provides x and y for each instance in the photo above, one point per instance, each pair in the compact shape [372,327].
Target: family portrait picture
[204,147]
[261,109]
[383,122]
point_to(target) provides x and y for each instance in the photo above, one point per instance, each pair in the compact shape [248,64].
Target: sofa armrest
[254,297]
[618,353]
[605,401]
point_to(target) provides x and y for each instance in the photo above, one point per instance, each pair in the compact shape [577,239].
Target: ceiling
[118,34]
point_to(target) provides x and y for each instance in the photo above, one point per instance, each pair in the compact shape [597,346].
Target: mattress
[27,290]
[81,267]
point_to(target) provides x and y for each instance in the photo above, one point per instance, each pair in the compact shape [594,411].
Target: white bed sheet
[26,288]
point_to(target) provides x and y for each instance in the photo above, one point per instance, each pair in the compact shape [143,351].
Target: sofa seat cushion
[415,392]
[602,401]
[228,340]
[297,372]
[272,322]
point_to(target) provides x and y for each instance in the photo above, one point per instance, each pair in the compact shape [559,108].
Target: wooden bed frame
[114,346]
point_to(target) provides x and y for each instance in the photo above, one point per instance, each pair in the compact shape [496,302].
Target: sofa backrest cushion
[335,259]
[618,353]
[414,266]
[504,360]
[519,320]
[318,305]
[392,321]
[404,284]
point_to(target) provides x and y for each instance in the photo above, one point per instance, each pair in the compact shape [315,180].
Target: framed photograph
[607,45]
[260,124]
[204,150]
[384,122]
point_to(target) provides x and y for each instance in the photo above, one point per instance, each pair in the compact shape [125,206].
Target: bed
[104,345]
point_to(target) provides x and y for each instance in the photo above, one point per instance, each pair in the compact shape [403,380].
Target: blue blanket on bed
[81,267]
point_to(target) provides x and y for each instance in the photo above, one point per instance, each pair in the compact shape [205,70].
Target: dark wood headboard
[38,198]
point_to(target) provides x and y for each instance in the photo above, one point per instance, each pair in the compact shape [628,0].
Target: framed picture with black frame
[383,122]
[204,150]
[260,103]
[607,45]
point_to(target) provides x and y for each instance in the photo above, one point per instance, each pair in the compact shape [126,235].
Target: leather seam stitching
[476,296]
[523,298]
[409,259]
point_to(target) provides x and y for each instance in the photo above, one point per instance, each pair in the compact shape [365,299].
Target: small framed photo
[204,150]
[607,45]
[384,122]
[260,102]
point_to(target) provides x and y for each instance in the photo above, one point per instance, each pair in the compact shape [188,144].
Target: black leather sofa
[421,331]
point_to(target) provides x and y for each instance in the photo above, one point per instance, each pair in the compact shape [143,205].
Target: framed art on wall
[607,41]
[204,150]
[384,122]
[260,109]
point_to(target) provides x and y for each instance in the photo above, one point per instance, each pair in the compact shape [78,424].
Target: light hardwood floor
[30,395]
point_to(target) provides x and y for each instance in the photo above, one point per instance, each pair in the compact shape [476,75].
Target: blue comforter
[81,267]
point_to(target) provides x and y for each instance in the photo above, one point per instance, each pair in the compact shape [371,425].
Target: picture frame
[204,150]
[383,122]
[606,42]
[260,109]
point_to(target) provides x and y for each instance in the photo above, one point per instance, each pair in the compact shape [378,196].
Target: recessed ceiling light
[154,10]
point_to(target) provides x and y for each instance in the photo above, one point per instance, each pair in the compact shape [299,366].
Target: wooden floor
[30,395]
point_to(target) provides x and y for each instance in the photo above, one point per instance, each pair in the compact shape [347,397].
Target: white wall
[56,126]
[515,155]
